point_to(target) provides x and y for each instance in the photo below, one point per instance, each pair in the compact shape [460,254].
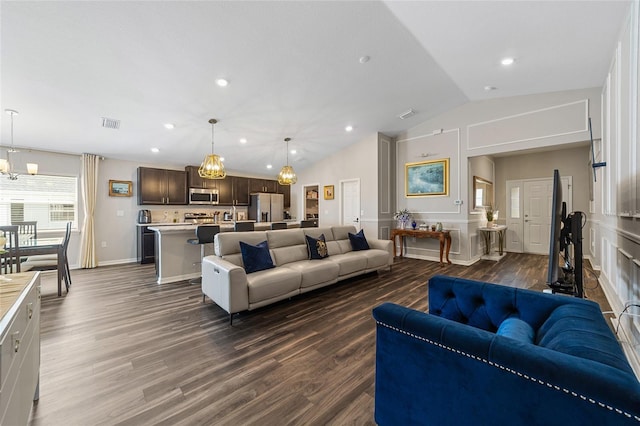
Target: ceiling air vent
[110,123]
[408,113]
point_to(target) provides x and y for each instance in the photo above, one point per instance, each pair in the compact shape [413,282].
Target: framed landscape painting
[427,178]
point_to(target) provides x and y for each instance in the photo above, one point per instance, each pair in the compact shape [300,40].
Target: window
[52,201]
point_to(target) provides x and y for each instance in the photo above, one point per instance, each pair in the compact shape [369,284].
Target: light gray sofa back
[285,246]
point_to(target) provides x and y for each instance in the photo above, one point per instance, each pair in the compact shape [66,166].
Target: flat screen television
[564,274]
[556,230]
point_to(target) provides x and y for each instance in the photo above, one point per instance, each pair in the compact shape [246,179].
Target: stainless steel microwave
[203,196]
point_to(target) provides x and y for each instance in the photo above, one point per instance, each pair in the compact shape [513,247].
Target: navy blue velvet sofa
[488,354]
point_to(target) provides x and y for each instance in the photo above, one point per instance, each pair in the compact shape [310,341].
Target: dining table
[30,246]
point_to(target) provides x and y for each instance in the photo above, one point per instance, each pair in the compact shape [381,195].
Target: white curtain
[88,257]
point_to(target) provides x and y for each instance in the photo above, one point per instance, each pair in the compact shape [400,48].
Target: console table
[499,230]
[442,236]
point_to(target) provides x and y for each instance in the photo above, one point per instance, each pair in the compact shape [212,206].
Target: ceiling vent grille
[408,113]
[110,123]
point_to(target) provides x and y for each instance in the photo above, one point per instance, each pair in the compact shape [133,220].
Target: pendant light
[212,167]
[5,165]
[287,175]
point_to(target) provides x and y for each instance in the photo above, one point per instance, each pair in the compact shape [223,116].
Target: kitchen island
[178,260]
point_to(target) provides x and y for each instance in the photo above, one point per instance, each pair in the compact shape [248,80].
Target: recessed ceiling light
[507,61]
[348,128]
[364,59]
[243,140]
[169,126]
[222,82]
[293,151]
[269,166]
[489,88]
[156,150]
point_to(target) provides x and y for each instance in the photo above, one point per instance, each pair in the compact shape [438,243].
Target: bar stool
[205,235]
[279,225]
[243,227]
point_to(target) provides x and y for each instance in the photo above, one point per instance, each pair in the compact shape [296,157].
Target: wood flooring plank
[119,349]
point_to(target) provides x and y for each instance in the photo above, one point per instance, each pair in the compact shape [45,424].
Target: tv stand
[571,281]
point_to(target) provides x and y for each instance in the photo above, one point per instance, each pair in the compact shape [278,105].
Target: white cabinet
[19,346]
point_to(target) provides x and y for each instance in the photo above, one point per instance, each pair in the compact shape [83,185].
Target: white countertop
[224,226]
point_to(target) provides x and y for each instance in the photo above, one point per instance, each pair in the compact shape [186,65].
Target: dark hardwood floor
[121,349]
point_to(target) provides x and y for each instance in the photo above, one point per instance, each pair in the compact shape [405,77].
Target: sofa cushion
[228,243]
[256,258]
[358,241]
[287,246]
[579,330]
[376,258]
[350,263]
[317,247]
[517,329]
[272,283]
[316,272]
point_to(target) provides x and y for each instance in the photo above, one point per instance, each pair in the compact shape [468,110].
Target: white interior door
[538,196]
[350,202]
[514,217]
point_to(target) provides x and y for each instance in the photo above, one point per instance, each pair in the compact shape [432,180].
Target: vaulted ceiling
[295,69]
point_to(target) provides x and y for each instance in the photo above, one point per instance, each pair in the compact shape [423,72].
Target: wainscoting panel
[559,120]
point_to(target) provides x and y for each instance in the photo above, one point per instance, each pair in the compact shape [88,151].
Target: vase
[414,224]
[402,224]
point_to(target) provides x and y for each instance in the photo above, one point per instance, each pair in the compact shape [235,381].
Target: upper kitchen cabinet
[160,186]
[195,181]
[262,185]
[241,191]
[286,191]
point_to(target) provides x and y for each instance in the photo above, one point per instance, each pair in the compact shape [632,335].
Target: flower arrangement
[402,215]
[488,210]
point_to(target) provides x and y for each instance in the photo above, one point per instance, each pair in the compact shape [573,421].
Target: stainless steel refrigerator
[266,207]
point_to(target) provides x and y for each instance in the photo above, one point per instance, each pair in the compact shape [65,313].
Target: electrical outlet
[458,202]
[104,244]
[120,213]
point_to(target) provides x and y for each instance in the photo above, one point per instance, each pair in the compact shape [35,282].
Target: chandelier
[287,175]
[6,167]
[212,167]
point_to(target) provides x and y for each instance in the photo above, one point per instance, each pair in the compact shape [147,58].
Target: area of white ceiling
[293,68]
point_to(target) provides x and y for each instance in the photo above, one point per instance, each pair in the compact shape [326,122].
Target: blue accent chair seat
[554,362]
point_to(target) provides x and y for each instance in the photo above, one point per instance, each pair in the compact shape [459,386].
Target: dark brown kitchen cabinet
[286,191]
[161,186]
[146,245]
[240,191]
[263,185]
[195,181]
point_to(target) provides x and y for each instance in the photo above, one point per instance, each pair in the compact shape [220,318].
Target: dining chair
[45,262]
[243,226]
[279,225]
[27,227]
[9,250]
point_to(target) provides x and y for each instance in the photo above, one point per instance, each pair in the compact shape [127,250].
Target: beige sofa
[225,282]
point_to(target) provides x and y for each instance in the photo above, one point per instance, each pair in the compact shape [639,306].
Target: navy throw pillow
[517,329]
[317,247]
[256,258]
[358,241]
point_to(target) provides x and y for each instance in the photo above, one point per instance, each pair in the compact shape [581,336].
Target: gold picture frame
[328,192]
[427,178]
[120,188]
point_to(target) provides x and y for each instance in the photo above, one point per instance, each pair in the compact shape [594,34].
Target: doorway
[350,202]
[529,213]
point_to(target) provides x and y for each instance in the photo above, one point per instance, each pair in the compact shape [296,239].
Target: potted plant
[403,217]
[488,210]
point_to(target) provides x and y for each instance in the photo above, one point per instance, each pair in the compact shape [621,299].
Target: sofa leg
[230,319]
[203,296]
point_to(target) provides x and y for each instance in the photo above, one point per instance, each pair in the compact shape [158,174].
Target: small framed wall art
[328,192]
[427,178]
[120,188]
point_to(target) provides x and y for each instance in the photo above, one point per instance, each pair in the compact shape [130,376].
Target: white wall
[615,231]
[358,161]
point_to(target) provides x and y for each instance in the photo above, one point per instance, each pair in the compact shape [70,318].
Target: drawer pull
[16,341]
